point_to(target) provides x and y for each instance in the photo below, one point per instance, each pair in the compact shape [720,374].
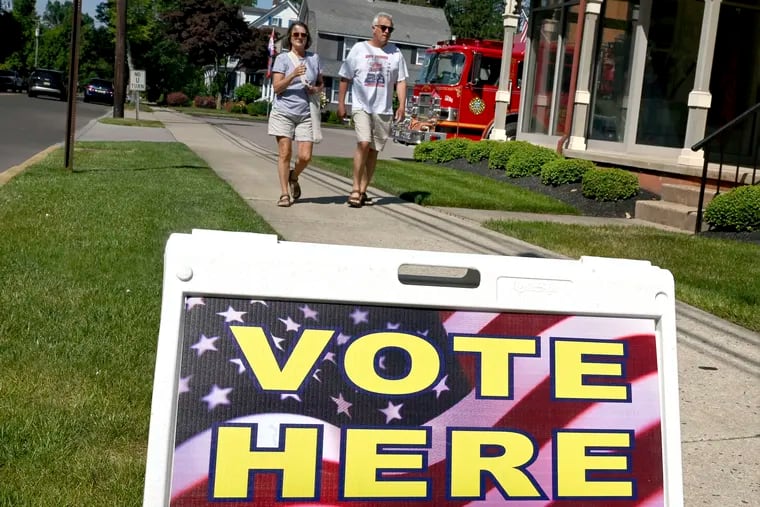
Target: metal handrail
[718,135]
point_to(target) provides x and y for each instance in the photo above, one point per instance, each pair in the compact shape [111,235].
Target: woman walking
[296,75]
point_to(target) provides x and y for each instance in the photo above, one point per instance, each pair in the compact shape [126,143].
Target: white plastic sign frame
[598,361]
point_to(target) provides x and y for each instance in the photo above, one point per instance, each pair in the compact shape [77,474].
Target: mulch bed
[572,195]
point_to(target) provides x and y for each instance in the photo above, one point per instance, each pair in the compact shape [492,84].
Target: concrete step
[668,213]
[685,194]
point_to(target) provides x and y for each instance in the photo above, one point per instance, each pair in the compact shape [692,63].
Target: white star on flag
[278,342]
[184,385]
[391,412]
[359,316]
[290,324]
[259,302]
[293,396]
[308,313]
[217,396]
[342,404]
[330,356]
[204,344]
[232,315]
[191,302]
[239,363]
[440,387]
[392,326]
[343,338]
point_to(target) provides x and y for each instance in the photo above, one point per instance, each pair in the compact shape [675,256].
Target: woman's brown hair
[286,42]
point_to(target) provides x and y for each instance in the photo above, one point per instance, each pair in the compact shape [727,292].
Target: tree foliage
[476,18]
[11,35]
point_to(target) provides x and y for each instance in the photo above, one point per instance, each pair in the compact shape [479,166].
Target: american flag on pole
[270,51]
[216,387]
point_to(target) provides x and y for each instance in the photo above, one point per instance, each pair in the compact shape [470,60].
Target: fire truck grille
[425,106]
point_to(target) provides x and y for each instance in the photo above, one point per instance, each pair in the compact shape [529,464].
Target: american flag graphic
[270,53]
[216,386]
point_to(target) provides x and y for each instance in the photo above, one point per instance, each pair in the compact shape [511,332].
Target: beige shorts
[291,126]
[372,128]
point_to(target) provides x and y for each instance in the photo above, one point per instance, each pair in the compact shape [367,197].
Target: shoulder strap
[294,59]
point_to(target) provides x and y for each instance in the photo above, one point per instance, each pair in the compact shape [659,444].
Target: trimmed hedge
[177,99]
[450,149]
[529,162]
[565,171]
[736,210]
[609,184]
[424,151]
[247,93]
[480,150]
[502,152]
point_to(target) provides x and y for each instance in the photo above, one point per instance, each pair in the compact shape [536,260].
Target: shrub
[480,150]
[258,108]
[332,117]
[502,152]
[564,171]
[424,151]
[736,210]
[450,149]
[204,101]
[176,99]
[609,184]
[247,93]
[529,162]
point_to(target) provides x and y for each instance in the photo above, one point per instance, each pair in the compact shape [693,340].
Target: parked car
[47,82]
[11,80]
[98,90]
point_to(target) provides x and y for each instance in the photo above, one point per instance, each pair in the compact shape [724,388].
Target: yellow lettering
[570,370]
[359,363]
[259,355]
[580,452]
[365,460]
[469,464]
[297,458]
[496,358]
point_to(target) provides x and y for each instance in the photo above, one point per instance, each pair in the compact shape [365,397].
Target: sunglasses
[299,35]
[385,28]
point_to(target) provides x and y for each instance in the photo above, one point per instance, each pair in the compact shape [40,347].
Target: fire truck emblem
[477,106]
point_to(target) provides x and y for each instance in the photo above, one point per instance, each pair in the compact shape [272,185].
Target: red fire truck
[455,93]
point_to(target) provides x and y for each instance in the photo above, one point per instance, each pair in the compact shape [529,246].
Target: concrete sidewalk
[719,363]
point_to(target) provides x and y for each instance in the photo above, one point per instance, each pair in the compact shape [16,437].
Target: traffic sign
[137,80]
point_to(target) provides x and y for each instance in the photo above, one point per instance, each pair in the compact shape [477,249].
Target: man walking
[373,67]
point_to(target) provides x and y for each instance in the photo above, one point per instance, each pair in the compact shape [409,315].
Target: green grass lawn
[131,122]
[718,276]
[432,185]
[80,279]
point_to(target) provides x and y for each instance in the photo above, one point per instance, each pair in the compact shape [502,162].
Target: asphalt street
[29,125]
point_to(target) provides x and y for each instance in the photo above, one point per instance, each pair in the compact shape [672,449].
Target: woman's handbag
[315,108]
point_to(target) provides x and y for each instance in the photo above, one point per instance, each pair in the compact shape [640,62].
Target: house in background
[336,25]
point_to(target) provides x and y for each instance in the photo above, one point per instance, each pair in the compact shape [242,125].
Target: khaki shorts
[372,128]
[291,126]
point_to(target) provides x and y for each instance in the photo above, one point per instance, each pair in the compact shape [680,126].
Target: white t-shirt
[374,72]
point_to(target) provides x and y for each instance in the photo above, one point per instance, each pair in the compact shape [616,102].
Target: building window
[276,22]
[334,92]
[347,45]
[420,57]
[545,28]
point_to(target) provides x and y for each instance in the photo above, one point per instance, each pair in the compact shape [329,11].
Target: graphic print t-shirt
[374,72]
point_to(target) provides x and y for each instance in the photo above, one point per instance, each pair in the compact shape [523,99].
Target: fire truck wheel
[511,131]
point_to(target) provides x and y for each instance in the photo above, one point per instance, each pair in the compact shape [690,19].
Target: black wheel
[511,131]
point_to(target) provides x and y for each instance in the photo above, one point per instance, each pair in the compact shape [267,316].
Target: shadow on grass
[417,197]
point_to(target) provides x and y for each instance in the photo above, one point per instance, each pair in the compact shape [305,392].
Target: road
[336,142]
[28,126]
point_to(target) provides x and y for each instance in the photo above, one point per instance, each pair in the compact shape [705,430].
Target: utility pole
[119,76]
[71,113]
[36,42]
[511,16]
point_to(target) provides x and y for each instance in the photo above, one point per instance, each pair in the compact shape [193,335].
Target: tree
[253,52]
[11,38]
[476,18]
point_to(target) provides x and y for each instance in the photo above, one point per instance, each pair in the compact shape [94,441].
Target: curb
[15,170]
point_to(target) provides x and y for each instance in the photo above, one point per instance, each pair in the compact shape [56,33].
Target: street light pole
[36,42]
[511,16]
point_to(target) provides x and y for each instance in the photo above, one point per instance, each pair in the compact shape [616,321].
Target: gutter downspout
[573,77]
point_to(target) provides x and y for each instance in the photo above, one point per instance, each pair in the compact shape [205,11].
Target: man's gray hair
[382,15]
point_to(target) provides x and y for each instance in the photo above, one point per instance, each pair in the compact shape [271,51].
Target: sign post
[137,84]
[441,379]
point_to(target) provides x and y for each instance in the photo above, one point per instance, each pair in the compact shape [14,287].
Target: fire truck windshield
[442,68]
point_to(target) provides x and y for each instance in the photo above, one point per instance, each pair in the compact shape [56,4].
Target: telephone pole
[119,77]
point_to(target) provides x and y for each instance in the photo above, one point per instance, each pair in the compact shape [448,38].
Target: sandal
[284,201]
[355,199]
[366,200]
[295,188]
